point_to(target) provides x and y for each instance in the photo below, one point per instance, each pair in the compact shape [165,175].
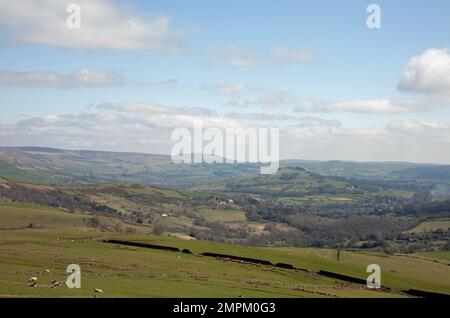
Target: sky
[136,70]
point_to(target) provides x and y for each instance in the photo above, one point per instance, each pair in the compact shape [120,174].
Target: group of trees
[54,197]
[425,208]
[325,230]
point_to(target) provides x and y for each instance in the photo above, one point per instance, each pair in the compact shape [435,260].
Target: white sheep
[97,291]
[32,281]
[55,284]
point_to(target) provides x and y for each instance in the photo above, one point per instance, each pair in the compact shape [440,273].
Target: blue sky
[240,57]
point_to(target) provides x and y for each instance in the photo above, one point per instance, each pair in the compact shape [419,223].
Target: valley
[296,217]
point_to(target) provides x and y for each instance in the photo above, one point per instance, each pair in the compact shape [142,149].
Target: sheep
[32,281]
[47,271]
[97,291]
[55,284]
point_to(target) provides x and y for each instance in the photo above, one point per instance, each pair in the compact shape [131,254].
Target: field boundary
[145,245]
[342,277]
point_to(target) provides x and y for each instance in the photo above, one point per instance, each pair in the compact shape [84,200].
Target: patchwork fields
[62,238]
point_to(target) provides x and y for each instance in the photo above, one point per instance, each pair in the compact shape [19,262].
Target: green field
[222,215]
[18,216]
[439,255]
[63,238]
[11,172]
[401,271]
[296,186]
[430,226]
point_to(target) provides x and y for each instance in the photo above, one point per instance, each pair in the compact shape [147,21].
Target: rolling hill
[59,207]
[374,170]
[48,165]
[121,271]
[124,271]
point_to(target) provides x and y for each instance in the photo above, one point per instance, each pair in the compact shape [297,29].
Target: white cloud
[241,95]
[136,127]
[415,141]
[148,129]
[422,127]
[359,106]
[104,25]
[260,116]
[236,56]
[163,116]
[276,98]
[317,122]
[228,88]
[80,78]
[428,73]
[311,127]
[298,55]
[152,108]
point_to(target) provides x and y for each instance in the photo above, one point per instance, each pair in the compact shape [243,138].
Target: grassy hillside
[18,216]
[129,272]
[9,171]
[430,226]
[402,271]
[47,165]
[368,170]
[123,271]
[63,224]
[438,255]
[296,186]
[350,169]
[312,219]
[298,182]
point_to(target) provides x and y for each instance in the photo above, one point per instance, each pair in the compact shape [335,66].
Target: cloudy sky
[136,70]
